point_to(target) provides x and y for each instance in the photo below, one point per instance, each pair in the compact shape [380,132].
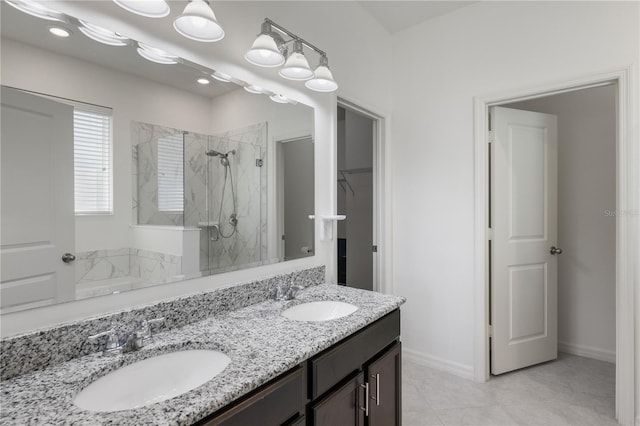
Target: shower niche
[200,201]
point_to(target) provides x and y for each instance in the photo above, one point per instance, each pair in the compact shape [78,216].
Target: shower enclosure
[213,183]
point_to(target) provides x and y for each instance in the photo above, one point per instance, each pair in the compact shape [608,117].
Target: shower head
[213,153]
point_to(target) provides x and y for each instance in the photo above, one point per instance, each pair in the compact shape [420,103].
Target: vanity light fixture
[322,80]
[220,76]
[34,8]
[254,88]
[59,31]
[296,67]
[102,35]
[156,55]
[198,22]
[281,99]
[270,49]
[203,81]
[267,49]
[147,8]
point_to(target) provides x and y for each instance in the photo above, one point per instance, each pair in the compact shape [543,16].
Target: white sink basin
[152,380]
[319,311]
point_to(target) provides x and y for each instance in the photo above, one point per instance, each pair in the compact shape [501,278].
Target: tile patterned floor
[569,391]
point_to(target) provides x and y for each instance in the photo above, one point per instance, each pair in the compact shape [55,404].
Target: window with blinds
[92,162]
[171,173]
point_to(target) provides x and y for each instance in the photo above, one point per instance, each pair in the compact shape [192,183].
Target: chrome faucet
[129,342]
[287,291]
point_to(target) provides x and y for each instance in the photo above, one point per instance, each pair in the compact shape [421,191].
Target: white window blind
[92,162]
[171,173]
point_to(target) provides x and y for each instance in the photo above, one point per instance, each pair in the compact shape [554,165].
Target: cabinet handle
[377,377]
[366,399]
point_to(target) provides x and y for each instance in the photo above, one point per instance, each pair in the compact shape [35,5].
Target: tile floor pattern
[569,391]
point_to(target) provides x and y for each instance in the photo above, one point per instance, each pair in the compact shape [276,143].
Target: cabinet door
[342,406]
[385,388]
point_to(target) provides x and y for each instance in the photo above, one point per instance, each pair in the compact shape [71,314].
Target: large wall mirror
[125,167]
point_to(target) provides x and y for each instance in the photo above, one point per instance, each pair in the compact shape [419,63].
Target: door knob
[555,250]
[68,258]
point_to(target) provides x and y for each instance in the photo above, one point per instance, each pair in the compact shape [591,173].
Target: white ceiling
[398,15]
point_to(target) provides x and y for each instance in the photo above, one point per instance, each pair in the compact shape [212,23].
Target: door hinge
[259,162]
[490,136]
[490,329]
[374,249]
[489,234]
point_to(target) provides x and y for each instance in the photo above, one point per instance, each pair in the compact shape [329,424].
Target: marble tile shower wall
[221,249]
[37,350]
[144,139]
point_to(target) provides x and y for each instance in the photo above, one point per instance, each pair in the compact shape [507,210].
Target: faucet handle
[146,333]
[112,344]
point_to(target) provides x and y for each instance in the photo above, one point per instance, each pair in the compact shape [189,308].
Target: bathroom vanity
[282,371]
[355,381]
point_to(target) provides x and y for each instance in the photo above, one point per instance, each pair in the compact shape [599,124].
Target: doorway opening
[624,240]
[358,197]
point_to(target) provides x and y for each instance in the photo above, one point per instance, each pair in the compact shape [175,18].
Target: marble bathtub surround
[261,343]
[45,348]
[142,265]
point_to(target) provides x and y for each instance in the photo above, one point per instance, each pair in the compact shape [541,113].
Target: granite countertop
[261,343]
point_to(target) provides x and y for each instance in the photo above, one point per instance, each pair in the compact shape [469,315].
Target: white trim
[457,369]
[587,352]
[628,163]
[381,219]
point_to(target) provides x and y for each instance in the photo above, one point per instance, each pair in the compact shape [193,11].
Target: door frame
[627,238]
[381,263]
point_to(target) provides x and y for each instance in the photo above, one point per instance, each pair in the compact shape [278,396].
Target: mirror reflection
[120,173]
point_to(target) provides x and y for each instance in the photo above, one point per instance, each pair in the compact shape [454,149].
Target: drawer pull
[366,399]
[377,377]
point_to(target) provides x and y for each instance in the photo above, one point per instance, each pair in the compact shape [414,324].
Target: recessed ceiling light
[147,8]
[156,55]
[254,88]
[36,9]
[60,32]
[102,35]
[203,81]
[220,76]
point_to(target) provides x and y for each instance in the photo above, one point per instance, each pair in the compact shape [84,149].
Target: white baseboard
[457,369]
[588,352]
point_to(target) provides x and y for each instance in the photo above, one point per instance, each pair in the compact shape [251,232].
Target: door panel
[37,200]
[524,212]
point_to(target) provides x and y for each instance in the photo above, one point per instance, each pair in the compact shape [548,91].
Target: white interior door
[524,221]
[37,200]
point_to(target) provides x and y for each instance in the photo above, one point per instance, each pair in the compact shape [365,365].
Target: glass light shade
[36,9]
[102,35]
[254,88]
[148,8]
[264,52]
[198,22]
[156,55]
[296,67]
[322,80]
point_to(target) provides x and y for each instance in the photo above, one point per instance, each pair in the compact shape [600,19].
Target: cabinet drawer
[349,355]
[274,404]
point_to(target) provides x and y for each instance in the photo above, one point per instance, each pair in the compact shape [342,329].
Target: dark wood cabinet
[344,406]
[279,402]
[384,376]
[373,396]
[356,382]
